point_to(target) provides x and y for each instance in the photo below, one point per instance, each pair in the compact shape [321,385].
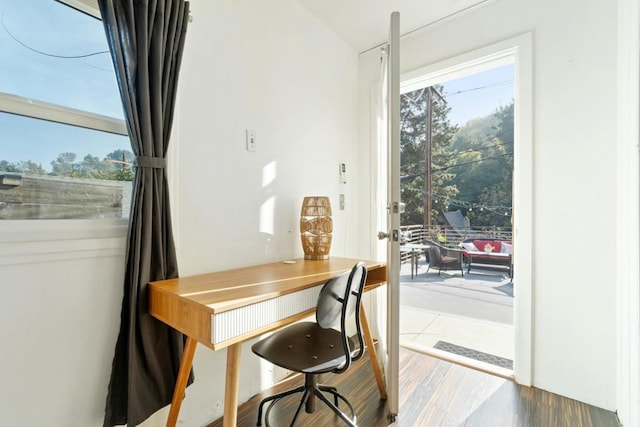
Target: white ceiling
[364,24]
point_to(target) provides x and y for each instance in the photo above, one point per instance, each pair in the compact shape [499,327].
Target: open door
[390,115]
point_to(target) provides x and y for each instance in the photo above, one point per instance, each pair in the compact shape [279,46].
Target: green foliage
[63,164]
[26,167]
[413,136]
[485,168]
[472,167]
[116,166]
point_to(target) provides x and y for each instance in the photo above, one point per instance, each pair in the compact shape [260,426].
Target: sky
[41,56]
[479,94]
[85,82]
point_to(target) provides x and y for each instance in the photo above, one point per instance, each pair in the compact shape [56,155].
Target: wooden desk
[225,308]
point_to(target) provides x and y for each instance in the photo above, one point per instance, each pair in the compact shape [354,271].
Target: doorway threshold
[460,360]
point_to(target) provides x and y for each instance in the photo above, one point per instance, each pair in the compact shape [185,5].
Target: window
[64,150]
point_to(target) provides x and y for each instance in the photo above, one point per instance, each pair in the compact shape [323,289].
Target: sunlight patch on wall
[268,174]
[267,216]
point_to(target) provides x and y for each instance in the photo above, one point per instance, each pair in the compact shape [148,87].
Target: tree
[31,168]
[7,166]
[484,167]
[63,164]
[500,195]
[116,166]
[123,164]
[413,137]
[124,158]
[92,167]
[26,167]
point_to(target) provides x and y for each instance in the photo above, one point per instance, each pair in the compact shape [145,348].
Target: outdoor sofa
[489,253]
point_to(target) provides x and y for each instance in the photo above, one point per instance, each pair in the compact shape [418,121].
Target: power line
[475,150]
[479,88]
[21,43]
[473,161]
[415,175]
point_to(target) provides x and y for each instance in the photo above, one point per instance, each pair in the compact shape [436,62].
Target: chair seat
[304,347]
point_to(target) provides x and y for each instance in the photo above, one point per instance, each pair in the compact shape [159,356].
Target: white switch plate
[251,140]
[342,170]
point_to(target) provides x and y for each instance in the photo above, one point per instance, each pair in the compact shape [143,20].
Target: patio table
[413,248]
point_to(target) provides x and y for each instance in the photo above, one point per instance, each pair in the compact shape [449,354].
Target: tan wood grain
[188,303]
[226,290]
[373,355]
[181,382]
[433,393]
[231,386]
[184,315]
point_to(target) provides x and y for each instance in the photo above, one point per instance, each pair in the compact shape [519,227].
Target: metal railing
[450,237]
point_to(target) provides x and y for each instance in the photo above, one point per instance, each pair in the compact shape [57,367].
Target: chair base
[309,391]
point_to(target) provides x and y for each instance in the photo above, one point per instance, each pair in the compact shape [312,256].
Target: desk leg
[231,386]
[181,381]
[373,354]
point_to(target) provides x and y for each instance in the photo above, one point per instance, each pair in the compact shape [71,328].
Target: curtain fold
[146,40]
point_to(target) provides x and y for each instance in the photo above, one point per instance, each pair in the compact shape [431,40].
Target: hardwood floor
[434,393]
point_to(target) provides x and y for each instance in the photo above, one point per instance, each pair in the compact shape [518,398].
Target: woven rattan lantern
[316,227]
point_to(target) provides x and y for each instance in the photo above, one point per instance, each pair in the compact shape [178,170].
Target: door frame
[628,213]
[518,48]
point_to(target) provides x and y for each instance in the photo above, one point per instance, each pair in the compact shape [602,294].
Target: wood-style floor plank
[434,393]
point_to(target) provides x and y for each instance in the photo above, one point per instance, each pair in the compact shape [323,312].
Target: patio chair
[443,258]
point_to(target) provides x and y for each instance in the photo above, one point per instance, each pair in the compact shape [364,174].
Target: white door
[391,120]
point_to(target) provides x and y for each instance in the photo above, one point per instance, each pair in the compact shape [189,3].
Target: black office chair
[314,348]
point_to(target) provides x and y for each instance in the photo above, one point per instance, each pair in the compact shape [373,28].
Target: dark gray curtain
[146,39]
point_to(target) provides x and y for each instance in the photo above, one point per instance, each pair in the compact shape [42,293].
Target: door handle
[395,235]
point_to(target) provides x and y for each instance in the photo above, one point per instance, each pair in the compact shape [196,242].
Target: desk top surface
[225,290]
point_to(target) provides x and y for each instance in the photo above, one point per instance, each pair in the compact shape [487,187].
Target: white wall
[270,67]
[574,175]
[59,318]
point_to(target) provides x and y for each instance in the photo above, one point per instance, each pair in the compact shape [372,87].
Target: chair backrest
[434,255]
[338,302]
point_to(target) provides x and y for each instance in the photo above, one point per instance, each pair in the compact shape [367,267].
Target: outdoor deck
[474,311]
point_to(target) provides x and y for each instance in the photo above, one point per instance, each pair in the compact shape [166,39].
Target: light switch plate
[251,140]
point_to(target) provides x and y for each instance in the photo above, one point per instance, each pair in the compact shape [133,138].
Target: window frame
[90,7]
[33,108]
[28,240]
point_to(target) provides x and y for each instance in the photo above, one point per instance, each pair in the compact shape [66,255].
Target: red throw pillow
[497,245]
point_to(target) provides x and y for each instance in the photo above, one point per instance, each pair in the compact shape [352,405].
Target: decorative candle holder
[316,227]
